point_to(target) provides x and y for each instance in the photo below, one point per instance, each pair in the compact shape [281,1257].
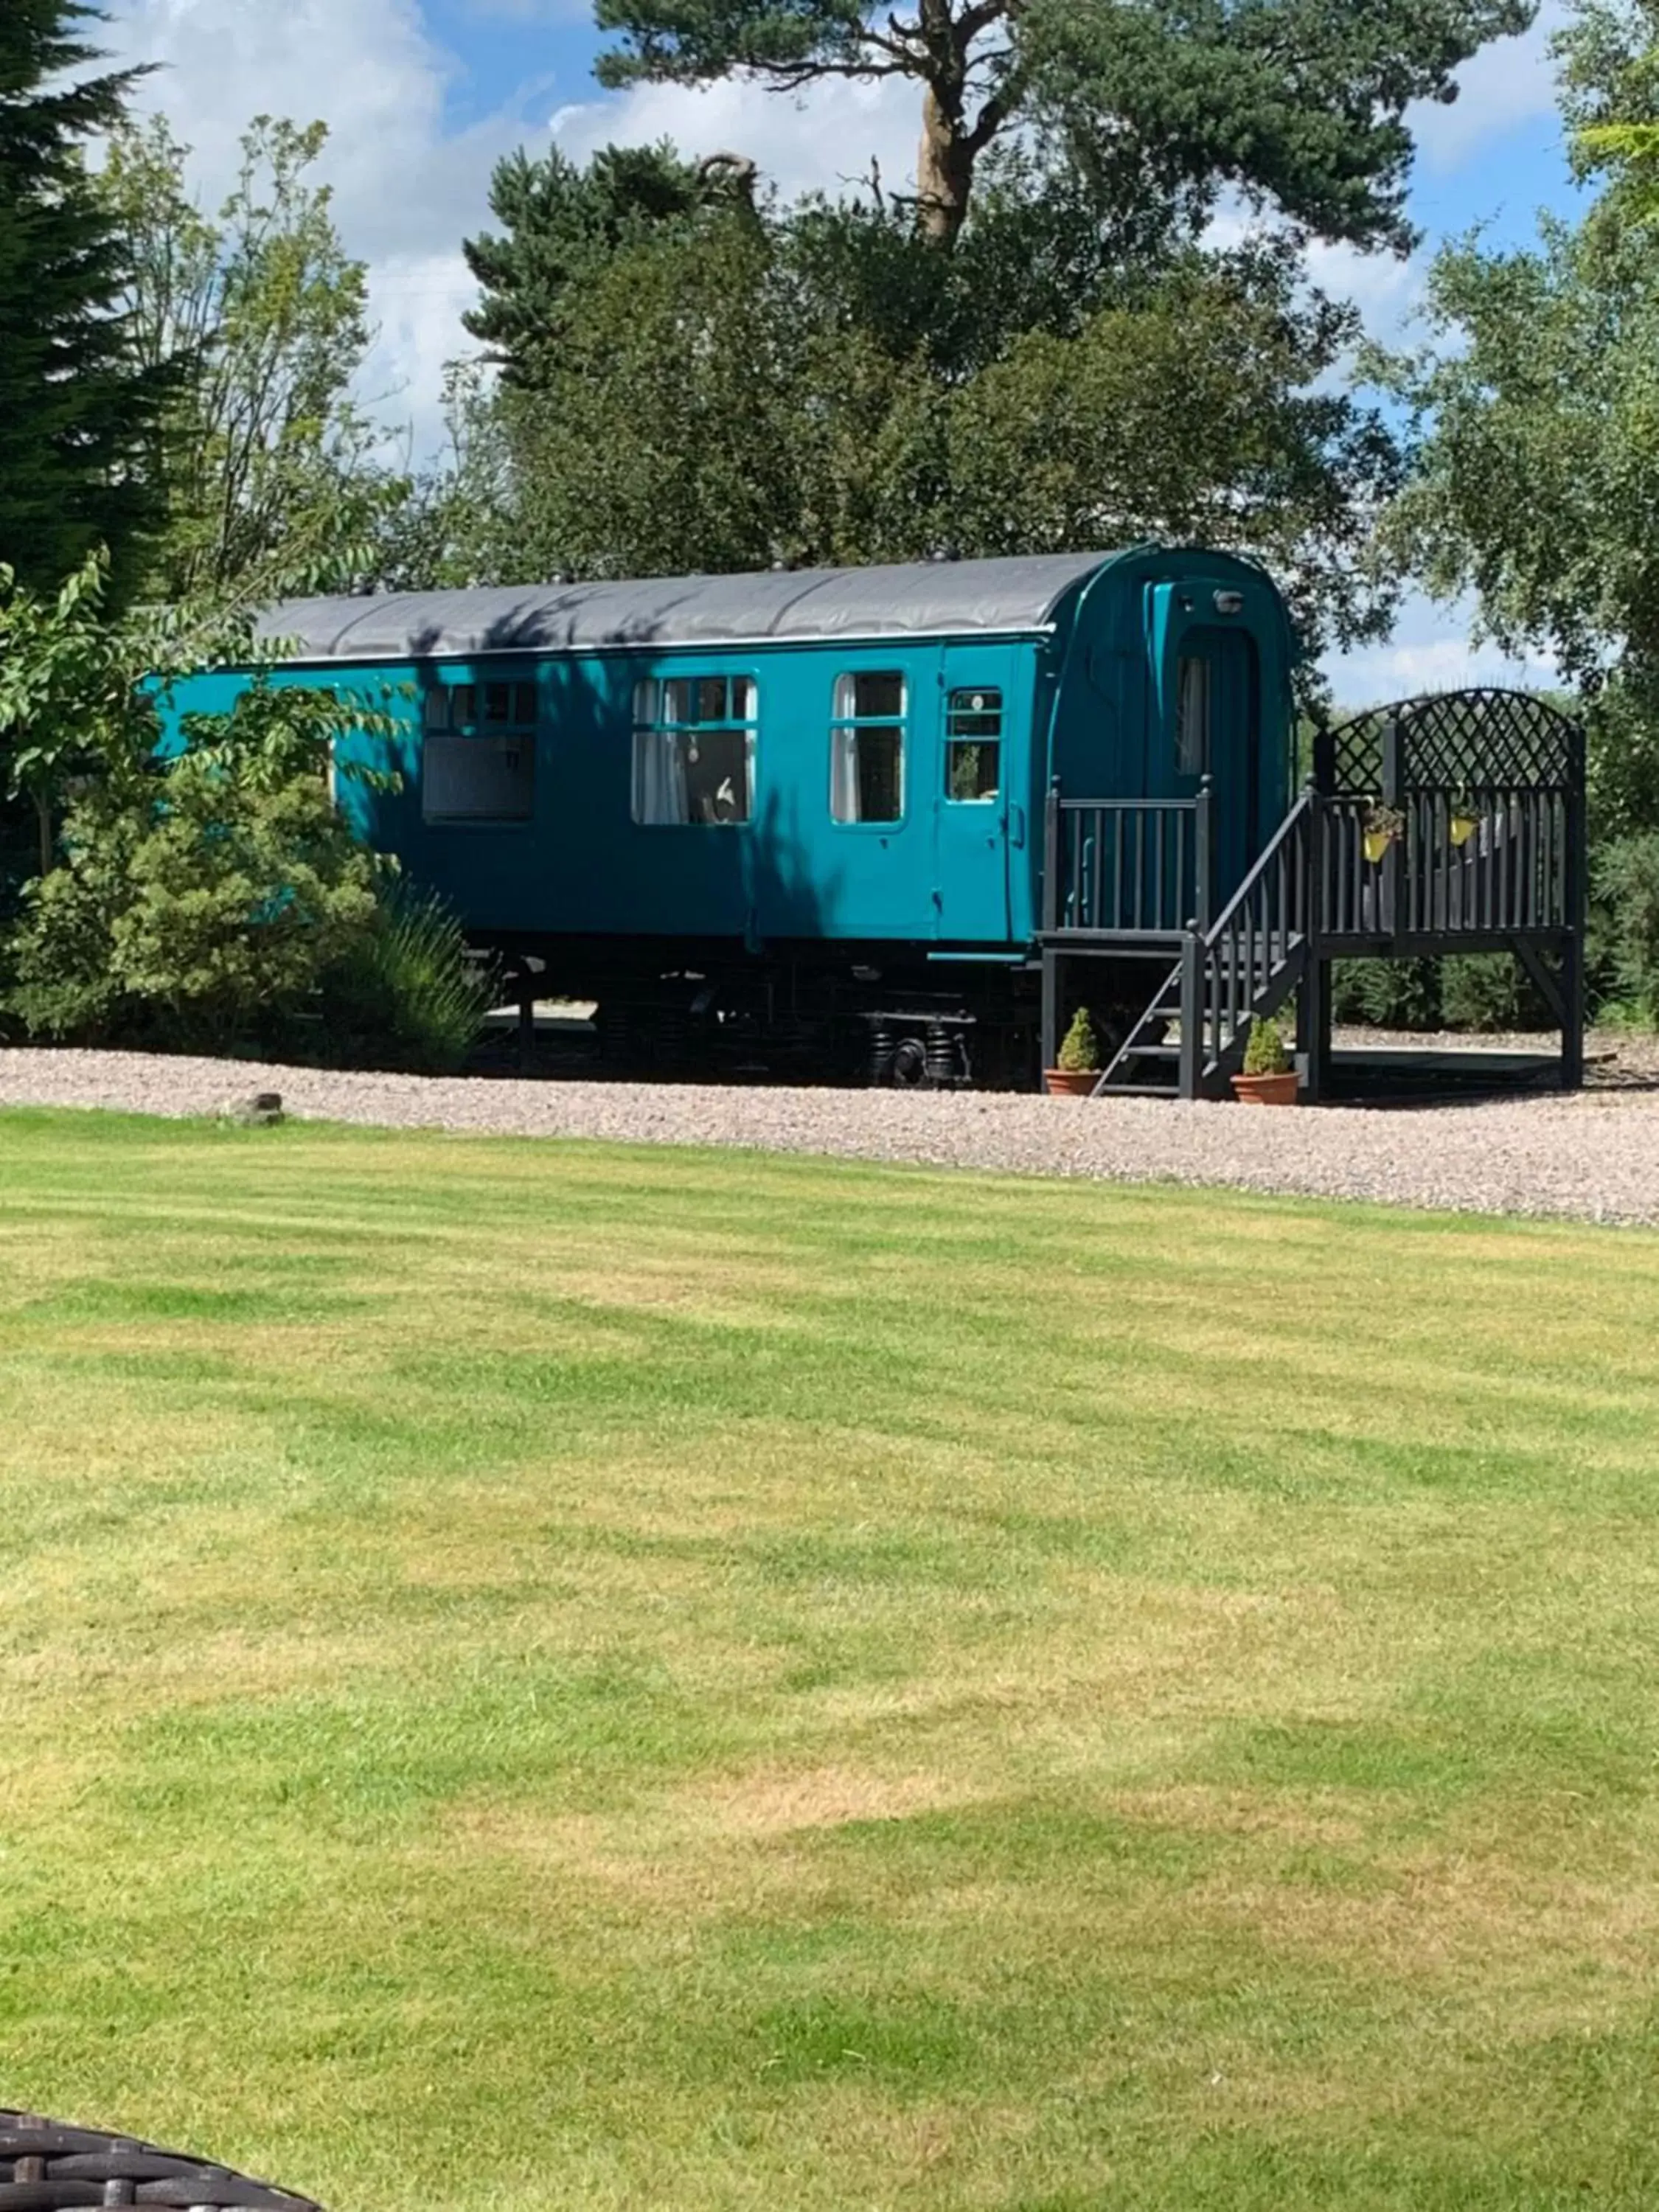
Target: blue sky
[423,96]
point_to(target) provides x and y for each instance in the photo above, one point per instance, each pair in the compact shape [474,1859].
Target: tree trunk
[43,814]
[944,172]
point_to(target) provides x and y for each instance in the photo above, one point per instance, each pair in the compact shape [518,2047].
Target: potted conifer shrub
[1268,1078]
[1080,1060]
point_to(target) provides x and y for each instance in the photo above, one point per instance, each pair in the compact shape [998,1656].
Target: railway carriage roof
[1007,597]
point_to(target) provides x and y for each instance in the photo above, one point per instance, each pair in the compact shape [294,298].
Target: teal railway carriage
[809,814]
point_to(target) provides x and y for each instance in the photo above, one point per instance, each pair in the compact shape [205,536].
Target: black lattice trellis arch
[1455,741]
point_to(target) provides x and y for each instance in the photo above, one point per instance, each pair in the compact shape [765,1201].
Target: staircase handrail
[1304,806]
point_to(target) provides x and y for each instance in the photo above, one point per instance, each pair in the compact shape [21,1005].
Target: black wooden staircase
[1451,825]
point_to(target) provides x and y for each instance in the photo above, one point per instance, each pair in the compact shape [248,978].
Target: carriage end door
[1215,702]
[978,813]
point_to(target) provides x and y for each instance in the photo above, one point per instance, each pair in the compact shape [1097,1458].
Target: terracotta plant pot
[1071,1082]
[1267,1090]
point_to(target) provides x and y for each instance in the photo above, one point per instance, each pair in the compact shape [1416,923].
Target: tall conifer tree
[74,401]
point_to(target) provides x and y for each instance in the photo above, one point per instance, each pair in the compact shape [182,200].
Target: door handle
[1017,827]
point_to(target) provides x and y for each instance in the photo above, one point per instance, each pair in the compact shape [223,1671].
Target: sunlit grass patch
[545,1676]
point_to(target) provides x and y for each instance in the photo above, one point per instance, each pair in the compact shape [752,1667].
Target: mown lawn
[545,1676]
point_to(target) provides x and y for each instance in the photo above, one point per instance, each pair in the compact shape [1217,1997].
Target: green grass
[539,1676]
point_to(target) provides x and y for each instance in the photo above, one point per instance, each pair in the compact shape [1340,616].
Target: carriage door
[1218,733]
[978,815]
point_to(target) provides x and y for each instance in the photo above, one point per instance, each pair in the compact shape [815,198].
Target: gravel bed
[1595,1157]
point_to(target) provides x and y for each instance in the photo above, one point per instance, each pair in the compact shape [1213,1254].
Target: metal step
[1141,1091]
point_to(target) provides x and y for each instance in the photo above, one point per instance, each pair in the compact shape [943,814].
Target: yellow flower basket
[1464,827]
[1378,843]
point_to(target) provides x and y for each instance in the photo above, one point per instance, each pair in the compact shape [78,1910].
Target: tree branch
[981,16]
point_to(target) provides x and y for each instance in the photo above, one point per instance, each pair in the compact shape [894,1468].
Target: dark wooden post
[1313,998]
[1050,1008]
[1313,1023]
[1324,761]
[526,1022]
[1392,872]
[1204,852]
[1577,889]
[1194,954]
[1051,862]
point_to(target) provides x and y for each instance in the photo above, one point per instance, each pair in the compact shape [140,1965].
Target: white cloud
[406,192]
[1506,84]
[1430,651]
[815,142]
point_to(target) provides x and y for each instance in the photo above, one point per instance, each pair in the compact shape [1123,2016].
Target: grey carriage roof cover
[925,598]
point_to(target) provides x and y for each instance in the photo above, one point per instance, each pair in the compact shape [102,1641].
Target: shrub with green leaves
[1627,886]
[1492,992]
[1265,1054]
[199,912]
[407,995]
[1079,1053]
[1387,994]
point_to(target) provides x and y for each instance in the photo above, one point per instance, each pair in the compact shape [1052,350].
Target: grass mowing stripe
[544,1676]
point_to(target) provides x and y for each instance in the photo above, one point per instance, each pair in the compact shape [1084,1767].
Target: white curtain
[844,776]
[660,793]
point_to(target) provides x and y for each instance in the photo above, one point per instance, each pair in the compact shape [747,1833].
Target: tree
[459,525]
[1200,413]
[562,223]
[1536,485]
[766,393]
[194,905]
[266,457]
[79,683]
[1610,94]
[1297,104]
[76,401]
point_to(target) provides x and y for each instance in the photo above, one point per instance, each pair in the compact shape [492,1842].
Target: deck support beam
[1313,1027]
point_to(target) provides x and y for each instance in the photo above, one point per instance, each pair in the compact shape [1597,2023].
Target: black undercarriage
[886,1014]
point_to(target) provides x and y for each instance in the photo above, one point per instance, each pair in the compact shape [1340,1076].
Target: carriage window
[479,753]
[867,749]
[694,750]
[1193,717]
[973,750]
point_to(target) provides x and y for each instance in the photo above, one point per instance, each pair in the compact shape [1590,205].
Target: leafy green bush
[199,913]
[1387,994]
[1265,1054]
[1490,991]
[1079,1054]
[218,901]
[1625,881]
[406,995]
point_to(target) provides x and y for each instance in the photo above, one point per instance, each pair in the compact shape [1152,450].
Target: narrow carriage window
[1193,717]
[973,750]
[867,749]
[694,750]
[471,773]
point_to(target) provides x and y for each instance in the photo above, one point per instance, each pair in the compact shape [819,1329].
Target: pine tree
[74,403]
[1299,105]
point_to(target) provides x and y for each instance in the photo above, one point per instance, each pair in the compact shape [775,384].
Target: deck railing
[1127,867]
[1508,869]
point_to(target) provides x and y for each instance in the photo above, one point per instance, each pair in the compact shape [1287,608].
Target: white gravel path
[1594,1158]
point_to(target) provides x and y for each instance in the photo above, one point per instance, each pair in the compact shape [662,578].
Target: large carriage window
[1193,717]
[479,753]
[867,749]
[973,752]
[694,750]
